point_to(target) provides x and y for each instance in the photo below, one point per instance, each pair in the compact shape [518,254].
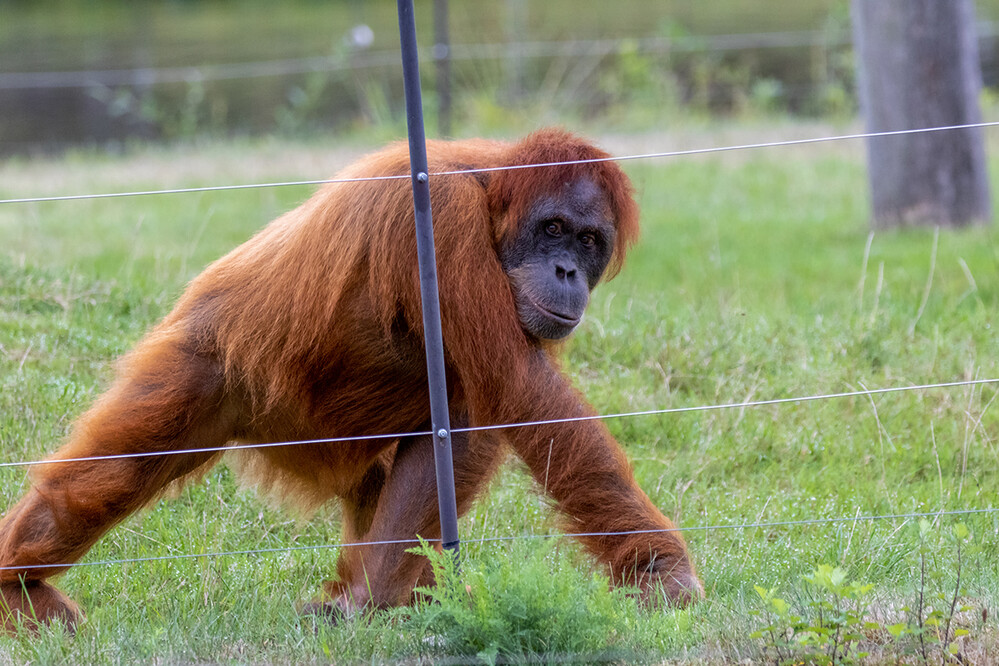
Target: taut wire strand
[740,526]
[484,540]
[214,449]
[501,426]
[733,405]
[209,188]
[145,76]
[722,149]
[624,158]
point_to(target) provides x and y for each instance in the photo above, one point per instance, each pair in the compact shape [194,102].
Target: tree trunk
[918,67]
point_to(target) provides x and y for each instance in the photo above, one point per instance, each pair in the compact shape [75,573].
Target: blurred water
[321,65]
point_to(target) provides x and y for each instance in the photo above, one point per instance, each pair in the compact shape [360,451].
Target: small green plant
[836,622]
[934,623]
[514,606]
[831,628]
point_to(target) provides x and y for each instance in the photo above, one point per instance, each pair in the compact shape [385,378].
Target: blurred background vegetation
[107,73]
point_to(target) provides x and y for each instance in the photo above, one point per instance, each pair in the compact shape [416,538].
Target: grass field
[756,278]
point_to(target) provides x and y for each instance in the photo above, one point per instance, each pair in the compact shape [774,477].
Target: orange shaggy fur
[312,329]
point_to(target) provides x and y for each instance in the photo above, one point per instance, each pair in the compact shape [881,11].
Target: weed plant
[839,626]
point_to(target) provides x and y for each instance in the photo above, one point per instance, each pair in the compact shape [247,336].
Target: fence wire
[359,60]
[505,426]
[146,76]
[511,167]
[503,539]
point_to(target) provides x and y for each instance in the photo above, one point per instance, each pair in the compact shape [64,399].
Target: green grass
[752,281]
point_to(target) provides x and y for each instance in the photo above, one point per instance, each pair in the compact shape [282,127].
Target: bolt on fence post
[428,279]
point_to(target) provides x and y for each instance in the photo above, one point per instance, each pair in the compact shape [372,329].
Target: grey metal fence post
[428,279]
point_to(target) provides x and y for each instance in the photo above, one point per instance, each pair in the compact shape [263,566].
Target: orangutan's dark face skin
[562,249]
